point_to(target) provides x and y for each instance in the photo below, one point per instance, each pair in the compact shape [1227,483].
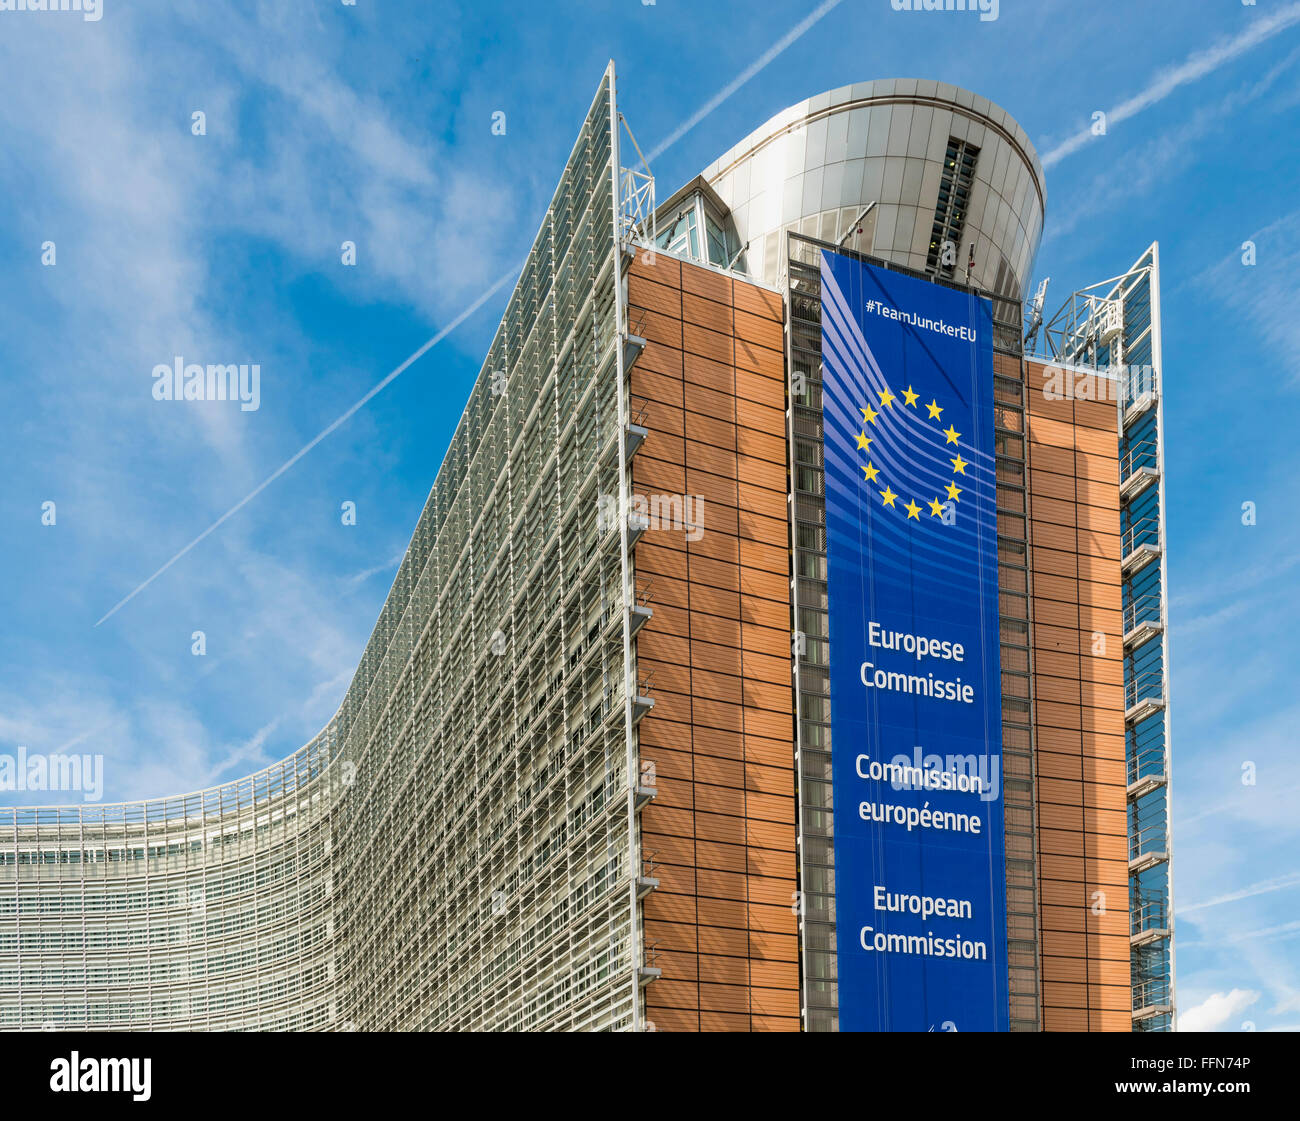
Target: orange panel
[759,330]
[643,293]
[763,472]
[760,359]
[657,267]
[708,344]
[761,390]
[758,301]
[704,282]
[718,647]
[707,313]
[656,387]
[710,403]
[762,445]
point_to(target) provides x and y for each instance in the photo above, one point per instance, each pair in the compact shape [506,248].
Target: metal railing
[636,208]
[1145,531]
[1137,382]
[1149,763]
[1150,914]
[1145,453]
[1151,994]
[1150,839]
[1144,609]
[1147,686]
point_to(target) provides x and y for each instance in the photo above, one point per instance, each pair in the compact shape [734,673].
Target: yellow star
[871,472]
[936,508]
[886,398]
[933,406]
[958,464]
[870,414]
[951,433]
[953,491]
[863,440]
[913,510]
[909,397]
[888,495]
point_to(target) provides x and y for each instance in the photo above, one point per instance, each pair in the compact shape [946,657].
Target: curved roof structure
[939,163]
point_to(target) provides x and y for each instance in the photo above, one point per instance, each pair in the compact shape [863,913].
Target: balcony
[1147,848]
[637,525]
[638,615]
[1144,696]
[1140,544]
[649,971]
[629,341]
[1139,467]
[1146,772]
[633,345]
[647,881]
[1151,998]
[636,436]
[1140,392]
[1149,921]
[643,793]
[642,703]
[1143,619]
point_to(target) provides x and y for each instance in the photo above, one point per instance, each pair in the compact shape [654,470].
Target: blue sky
[372,122]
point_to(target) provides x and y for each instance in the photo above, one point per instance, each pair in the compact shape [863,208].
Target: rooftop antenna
[732,263]
[855,227]
[1036,313]
[637,186]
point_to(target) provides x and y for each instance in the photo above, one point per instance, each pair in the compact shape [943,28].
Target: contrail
[395,373]
[754,67]
[1264,887]
[1193,68]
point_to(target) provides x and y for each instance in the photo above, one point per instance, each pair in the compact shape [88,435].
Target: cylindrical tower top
[953,177]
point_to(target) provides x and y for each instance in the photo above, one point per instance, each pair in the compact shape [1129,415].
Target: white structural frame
[1084,332]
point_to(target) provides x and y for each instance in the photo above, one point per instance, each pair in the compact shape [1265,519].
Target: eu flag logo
[932,431]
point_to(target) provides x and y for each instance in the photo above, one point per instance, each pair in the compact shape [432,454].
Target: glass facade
[1136,350]
[695,228]
[457,848]
[214,910]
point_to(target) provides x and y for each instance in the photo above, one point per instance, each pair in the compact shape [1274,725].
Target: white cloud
[1265,292]
[1264,887]
[1217,1010]
[390,565]
[145,215]
[1193,68]
[1150,166]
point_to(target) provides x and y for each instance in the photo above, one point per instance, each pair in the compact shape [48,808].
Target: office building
[582,779]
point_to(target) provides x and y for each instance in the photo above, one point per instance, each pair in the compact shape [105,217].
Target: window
[950,208]
[699,231]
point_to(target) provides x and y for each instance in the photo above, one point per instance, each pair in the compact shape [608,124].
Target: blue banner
[916,711]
